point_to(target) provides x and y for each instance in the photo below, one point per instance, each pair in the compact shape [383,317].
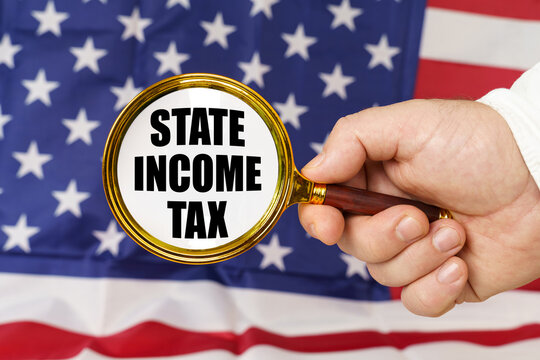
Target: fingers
[380,237]
[378,133]
[400,248]
[437,292]
[421,257]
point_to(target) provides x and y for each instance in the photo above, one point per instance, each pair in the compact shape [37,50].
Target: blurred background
[72,283]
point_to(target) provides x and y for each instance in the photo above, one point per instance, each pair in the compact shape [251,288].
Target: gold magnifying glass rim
[241,244]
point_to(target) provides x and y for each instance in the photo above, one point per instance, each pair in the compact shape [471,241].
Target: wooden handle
[364,202]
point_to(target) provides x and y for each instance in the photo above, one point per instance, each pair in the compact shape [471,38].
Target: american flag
[73,285]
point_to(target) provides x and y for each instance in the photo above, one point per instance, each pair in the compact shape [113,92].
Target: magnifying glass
[198,168]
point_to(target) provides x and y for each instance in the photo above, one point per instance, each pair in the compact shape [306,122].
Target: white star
[80,128]
[289,112]
[336,82]
[170,60]
[273,253]
[87,56]
[318,147]
[344,14]
[254,70]
[4,119]
[109,239]
[382,53]
[355,266]
[31,161]
[70,200]
[217,31]
[134,25]
[49,19]
[19,234]
[263,5]
[125,94]
[8,51]
[39,88]
[102,1]
[298,43]
[171,3]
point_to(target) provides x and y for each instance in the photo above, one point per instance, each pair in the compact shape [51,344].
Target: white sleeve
[520,107]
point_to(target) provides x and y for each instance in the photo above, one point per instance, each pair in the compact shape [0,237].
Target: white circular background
[244,208]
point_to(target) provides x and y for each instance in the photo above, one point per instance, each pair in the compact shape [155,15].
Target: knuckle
[342,124]
[348,122]
[373,251]
[413,260]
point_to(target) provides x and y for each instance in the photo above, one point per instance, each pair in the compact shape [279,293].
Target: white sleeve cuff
[520,107]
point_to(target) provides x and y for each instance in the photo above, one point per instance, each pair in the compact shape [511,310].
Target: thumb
[376,133]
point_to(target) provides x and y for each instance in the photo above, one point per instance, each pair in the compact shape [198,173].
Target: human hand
[458,155]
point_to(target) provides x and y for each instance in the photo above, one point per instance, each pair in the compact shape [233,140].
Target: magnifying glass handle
[364,202]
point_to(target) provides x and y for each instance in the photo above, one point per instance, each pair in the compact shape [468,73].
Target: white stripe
[448,350]
[265,352]
[107,306]
[484,40]
[452,350]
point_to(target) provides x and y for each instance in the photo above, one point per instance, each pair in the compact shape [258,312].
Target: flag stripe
[441,79]
[532,286]
[522,9]
[447,350]
[155,339]
[483,40]
[103,307]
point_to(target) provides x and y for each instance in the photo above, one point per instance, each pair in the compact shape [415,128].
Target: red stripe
[439,79]
[23,340]
[532,286]
[29,340]
[520,9]
[395,293]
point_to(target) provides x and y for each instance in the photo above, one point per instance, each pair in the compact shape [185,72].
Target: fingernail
[448,273]
[316,161]
[409,229]
[445,239]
